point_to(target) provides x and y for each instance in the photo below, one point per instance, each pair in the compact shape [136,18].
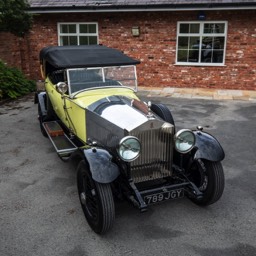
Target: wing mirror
[62,87]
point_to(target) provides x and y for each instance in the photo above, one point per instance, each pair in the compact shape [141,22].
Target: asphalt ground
[40,213]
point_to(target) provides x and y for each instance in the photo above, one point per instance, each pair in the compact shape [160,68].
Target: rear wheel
[96,200]
[41,119]
[209,178]
[49,116]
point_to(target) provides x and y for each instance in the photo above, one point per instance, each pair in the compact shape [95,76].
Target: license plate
[163,196]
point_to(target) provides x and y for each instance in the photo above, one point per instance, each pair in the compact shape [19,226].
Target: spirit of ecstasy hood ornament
[150,114]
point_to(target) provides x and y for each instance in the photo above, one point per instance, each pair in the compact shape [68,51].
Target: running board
[62,144]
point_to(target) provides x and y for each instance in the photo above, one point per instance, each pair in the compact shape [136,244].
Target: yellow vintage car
[126,147]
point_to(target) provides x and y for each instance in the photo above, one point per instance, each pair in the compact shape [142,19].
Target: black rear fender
[40,98]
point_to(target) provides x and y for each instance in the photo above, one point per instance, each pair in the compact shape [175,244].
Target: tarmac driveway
[40,212]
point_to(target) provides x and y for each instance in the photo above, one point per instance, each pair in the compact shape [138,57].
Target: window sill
[201,64]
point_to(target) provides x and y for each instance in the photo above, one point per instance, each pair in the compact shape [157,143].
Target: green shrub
[13,83]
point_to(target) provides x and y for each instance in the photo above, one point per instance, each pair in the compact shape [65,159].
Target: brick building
[192,44]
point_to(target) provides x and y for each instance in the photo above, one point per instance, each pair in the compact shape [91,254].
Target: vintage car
[127,149]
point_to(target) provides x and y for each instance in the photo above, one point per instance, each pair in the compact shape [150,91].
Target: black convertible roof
[84,56]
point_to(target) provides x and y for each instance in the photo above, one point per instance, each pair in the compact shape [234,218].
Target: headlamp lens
[129,148]
[184,140]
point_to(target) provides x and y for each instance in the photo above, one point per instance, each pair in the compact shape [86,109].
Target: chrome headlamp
[129,148]
[184,140]
[62,87]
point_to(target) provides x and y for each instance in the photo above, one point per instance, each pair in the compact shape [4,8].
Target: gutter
[142,8]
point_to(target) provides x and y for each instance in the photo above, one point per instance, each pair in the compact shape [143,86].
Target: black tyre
[41,120]
[162,111]
[50,112]
[209,178]
[49,116]
[96,200]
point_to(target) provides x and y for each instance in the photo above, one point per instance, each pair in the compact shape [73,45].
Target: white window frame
[77,34]
[200,35]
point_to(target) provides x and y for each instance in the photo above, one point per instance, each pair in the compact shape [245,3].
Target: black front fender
[103,170]
[207,147]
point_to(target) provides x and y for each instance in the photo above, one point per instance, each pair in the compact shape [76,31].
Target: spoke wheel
[209,178]
[96,200]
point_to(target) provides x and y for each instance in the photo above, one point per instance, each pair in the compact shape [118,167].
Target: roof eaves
[137,8]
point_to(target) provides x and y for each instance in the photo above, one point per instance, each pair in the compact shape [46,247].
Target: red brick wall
[9,50]
[155,47]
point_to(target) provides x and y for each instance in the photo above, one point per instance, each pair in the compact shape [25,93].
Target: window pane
[212,56]
[213,42]
[182,55]
[83,28]
[194,28]
[194,42]
[64,29]
[183,42]
[219,42]
[92,28]
[207,47]
[87,28]
[188,42]
[72,40]
[193,55]
[188,49]
[71,28]
[64,40]
[210,28]
[194,46]
[206,55]
[184,28]
[83,40]
[92,39]
[68,40]
[207,42]
[189,28]
[212,49]
[218,56]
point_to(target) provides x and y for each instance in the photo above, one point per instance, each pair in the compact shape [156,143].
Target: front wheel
[209,178]
[96,200]
[163,111]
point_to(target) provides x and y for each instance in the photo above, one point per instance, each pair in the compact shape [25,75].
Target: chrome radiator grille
[156,154]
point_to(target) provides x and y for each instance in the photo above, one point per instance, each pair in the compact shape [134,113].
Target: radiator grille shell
[156,153]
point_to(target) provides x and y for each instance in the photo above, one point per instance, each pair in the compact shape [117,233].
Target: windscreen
[81,79]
